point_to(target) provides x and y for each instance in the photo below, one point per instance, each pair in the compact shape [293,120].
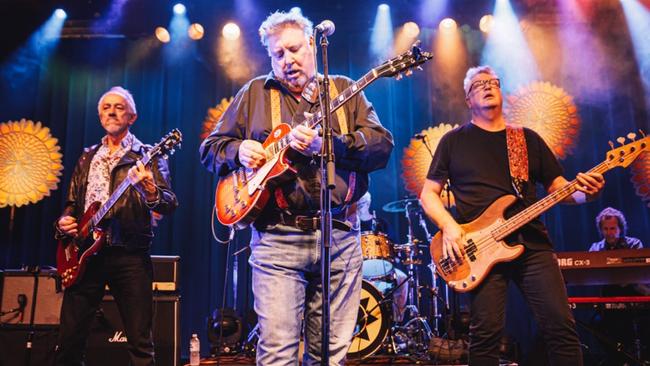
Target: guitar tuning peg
[419,68]
[409,72]
[642,133]
[611,144]
[621,140]
[399,76]
[631,136]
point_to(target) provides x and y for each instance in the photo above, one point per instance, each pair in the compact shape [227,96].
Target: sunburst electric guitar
[241,195]
[72,253]
[484,241]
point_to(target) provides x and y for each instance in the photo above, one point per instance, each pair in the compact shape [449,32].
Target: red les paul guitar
[484,246]
[241,195]
[72,253]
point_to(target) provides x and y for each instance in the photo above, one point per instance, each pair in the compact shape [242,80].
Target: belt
[311,223]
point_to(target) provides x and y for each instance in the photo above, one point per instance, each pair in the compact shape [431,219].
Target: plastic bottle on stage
[195,350]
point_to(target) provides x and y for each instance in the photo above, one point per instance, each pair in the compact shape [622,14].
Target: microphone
[420,136]
[326,27]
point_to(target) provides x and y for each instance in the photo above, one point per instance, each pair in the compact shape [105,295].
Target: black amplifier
[165,273]
[107,341]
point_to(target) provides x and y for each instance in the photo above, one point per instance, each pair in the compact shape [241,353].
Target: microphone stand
[327,185]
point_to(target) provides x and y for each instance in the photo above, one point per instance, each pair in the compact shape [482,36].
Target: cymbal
[401,205]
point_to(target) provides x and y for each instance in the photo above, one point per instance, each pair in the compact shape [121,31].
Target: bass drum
[373,323]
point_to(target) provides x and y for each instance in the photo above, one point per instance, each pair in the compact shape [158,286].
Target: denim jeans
[538,276]
[287,288]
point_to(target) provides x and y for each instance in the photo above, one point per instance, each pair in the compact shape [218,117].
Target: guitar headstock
[626,154]
[404,63]
[168,144]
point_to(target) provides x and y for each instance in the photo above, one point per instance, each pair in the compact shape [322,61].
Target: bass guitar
[73,252]
[484,244]
[241,195]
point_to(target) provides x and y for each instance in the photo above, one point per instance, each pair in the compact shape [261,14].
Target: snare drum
[378,255]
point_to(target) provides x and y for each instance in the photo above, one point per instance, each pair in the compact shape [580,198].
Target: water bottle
[195,350]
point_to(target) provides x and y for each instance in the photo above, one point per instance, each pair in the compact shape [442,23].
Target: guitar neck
[117,193]
[541,206]
[336,103]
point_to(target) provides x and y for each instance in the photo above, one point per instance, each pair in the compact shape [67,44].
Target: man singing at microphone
[285,256]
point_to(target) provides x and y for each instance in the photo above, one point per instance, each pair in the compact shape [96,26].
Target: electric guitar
[73,252]
[241,195]
[484,246]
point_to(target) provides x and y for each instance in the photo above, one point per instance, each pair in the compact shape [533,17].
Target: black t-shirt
[476,163]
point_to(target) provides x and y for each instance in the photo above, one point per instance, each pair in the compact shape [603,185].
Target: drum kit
[390,319]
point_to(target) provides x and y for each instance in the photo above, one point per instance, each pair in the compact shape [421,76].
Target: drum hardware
[416,331]
[410,255]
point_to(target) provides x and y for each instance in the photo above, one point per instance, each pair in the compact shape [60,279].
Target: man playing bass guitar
[485,160]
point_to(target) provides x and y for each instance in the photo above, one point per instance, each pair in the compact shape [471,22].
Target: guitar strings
[521,218]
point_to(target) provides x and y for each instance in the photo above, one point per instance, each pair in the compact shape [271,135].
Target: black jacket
[129,221]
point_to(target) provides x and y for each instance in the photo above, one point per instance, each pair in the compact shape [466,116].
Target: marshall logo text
[118,337]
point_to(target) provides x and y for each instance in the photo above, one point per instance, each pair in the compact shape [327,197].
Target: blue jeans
[287,289]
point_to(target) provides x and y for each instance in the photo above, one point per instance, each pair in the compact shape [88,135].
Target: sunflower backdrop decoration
[417,159]
[641,177]
[547,110]
[213,116]
[30,162]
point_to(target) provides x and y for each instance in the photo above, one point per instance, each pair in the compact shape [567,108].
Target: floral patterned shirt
[99,175]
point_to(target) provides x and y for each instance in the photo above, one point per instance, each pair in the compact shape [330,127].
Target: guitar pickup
[470,250]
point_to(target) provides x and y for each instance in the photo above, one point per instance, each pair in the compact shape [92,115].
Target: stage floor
[373,360]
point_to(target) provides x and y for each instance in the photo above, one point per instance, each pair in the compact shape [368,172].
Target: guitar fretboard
[541,206]
[117,193]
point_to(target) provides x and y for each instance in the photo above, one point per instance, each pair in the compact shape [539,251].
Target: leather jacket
[129,222]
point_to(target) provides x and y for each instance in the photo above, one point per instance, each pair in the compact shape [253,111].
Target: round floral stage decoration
[547,110]
[30,162]
[640,171]
[417,159]
[213,116]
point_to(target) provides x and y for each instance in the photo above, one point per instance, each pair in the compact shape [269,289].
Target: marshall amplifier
[107,341]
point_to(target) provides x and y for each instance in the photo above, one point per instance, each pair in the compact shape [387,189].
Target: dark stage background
[175,90]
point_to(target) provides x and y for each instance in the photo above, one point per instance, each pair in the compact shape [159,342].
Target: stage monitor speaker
[107,341]
[18,293]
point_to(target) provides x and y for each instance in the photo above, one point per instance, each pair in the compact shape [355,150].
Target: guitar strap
[517,157]
[276,120]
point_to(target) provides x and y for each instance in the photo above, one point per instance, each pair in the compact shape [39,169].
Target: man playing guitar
[124,262]
[485,161]
[285,240]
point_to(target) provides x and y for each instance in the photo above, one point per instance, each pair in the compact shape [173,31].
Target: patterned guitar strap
[517,158]
[276,120]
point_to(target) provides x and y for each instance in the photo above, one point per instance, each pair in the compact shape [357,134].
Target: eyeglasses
[494,83]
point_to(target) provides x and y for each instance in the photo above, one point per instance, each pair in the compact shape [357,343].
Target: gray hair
[118,90]
[609,213]
[484,69]
[280,20]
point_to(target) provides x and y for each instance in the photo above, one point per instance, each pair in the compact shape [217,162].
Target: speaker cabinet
[14,351]
[107,341]
[21,284]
